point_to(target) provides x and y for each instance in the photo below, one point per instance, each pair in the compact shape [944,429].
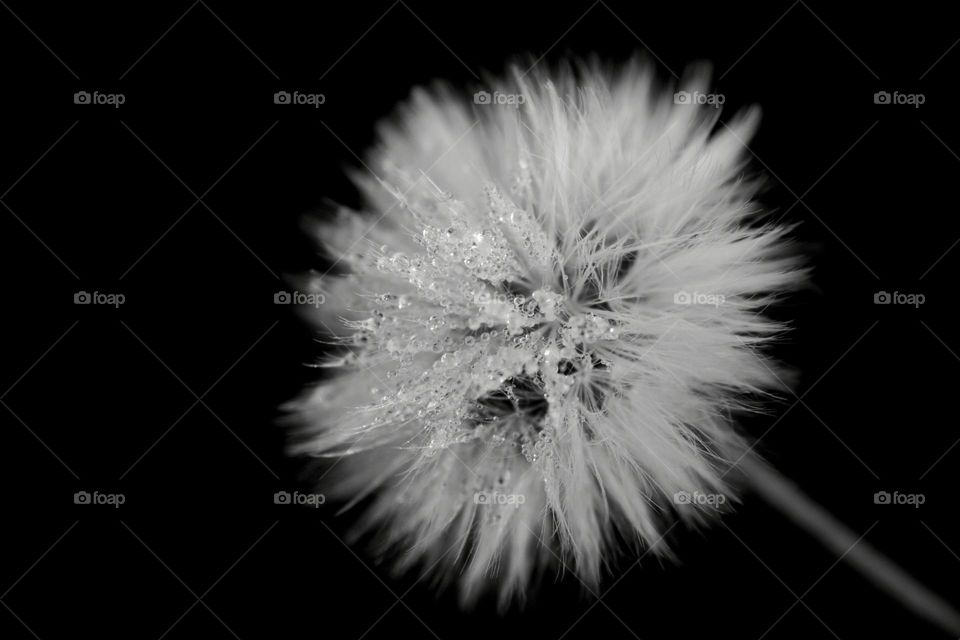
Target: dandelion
[545,322]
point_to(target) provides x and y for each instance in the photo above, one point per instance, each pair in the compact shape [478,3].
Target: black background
[189,199]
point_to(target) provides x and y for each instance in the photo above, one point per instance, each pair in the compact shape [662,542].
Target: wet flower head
[543,323]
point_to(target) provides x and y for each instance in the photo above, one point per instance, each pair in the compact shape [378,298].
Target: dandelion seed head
[544,322]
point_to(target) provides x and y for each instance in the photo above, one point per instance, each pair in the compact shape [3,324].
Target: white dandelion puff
[546,320]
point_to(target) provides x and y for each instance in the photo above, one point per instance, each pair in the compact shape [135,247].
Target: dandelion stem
[838,538]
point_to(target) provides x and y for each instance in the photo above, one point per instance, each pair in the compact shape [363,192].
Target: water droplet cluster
[467,316]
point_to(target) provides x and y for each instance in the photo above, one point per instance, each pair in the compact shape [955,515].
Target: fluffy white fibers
[546,318]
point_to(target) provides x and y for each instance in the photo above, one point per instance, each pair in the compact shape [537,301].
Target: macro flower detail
[543,324]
